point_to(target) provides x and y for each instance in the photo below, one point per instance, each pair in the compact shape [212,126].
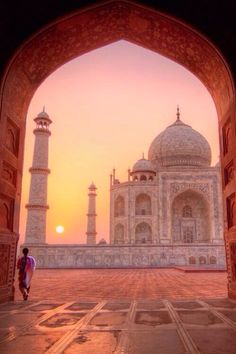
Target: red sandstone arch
[82,32]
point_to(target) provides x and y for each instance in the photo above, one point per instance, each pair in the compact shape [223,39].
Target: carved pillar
[37,206]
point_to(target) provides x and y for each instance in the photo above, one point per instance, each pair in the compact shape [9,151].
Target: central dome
[180,145]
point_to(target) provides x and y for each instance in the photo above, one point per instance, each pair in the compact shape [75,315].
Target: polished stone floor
[134,327]
[121,312]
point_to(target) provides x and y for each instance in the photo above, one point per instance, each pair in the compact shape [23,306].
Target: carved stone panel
[4,256]
[6,213]
[12,137]
[229,172]
[177,187]
[227,136]
[188,231]
[233,259]
[9,173]
[231,210]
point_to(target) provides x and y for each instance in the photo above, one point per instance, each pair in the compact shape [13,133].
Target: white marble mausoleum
[167,213]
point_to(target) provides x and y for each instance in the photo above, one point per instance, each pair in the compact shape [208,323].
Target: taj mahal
[167,213]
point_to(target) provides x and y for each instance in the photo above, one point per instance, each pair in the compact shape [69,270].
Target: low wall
[126,256]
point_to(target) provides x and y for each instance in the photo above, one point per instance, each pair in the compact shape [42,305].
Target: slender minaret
[91,225]
[37,206]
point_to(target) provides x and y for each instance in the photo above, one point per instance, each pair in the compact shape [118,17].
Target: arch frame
[143,204]
[148,227]
[198,202]
[119,206]
[79,33]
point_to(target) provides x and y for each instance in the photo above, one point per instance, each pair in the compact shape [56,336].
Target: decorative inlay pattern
[12,137]
[229,172]
[6,213]
[233,259]
[88,30]
[9,173]
[227,137]
[231,210]
[176,188]
[4,256]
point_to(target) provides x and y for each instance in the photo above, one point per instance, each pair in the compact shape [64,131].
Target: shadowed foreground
[141,311]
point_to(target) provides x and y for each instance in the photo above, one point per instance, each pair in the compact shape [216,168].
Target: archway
[143,233]
[75,35]
[190,214]
[143,205]
[119,206]
[119,237]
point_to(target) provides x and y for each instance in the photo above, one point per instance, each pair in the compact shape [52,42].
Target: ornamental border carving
[177,188]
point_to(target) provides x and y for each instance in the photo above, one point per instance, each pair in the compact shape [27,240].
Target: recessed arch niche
[82,32]
[190,218]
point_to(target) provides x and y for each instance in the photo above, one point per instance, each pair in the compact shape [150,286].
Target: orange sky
[107,106]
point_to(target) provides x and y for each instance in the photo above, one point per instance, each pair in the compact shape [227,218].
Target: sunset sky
[107,106]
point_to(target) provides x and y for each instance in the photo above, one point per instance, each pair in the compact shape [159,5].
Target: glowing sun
[59,229]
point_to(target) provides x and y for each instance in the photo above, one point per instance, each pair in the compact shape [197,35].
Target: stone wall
[126,256]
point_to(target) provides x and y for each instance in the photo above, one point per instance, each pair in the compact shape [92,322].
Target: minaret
[37,206]
[91,225]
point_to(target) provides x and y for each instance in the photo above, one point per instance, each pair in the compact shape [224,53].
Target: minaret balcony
[41,170]
[36,206]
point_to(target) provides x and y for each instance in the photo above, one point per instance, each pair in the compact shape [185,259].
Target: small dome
[92,186]
[102,242]
[180,145]
[143,165]
[43,115]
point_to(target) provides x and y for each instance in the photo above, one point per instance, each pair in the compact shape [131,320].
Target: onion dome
[180,145]
[143,165]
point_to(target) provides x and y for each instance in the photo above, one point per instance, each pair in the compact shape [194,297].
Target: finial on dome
[43,108]
[143,155]
[178,113]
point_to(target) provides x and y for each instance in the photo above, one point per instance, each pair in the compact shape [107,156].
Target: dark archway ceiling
[215,19]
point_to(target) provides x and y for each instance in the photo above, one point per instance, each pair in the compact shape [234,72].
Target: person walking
[26,266]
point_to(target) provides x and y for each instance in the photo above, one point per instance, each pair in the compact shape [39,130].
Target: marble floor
[143,311]
[134,327]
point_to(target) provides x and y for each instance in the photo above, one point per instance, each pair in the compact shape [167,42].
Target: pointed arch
[143,233]
[91,28]
[119,207]
[143,204]
[119,234]
[190,217]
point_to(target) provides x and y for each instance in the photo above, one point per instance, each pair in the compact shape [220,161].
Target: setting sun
[59,229]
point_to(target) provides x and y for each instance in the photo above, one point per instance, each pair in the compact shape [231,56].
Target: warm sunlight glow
[59,229]
[106,107]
